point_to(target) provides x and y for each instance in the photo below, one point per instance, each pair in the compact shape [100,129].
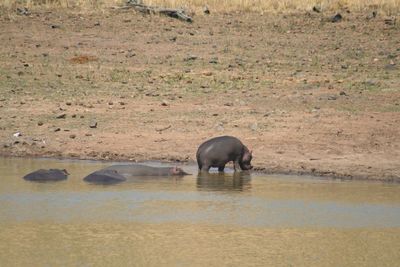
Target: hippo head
[177,171]
[246,159]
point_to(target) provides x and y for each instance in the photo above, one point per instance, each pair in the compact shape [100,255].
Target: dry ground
[307,95]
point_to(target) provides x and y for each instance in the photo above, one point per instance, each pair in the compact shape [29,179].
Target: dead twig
[170,12]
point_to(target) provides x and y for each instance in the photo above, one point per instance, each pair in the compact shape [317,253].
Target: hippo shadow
[238,181]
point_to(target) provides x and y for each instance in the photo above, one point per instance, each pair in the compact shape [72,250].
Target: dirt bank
[307,95]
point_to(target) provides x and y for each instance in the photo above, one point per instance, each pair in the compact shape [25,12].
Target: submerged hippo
[218,151]
[135,170]
[47,175]
[104,177]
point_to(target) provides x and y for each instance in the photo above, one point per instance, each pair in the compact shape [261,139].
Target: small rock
[110,103]
[214,60]
[332,97]
[338,17]
[93,124]
[254,126]
[316,9]
[219,126]
[88,134]
[206,10]
[164,103]
[68,103]
[40,123]
[97,24]
[72,136]
[61,116]
[23,11]
[73,116]
[390,66]
[55,26]
[343,93]
[190,58]
[56,129]
[17,134]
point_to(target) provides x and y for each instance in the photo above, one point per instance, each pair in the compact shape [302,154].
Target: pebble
[61,116]
[93,124]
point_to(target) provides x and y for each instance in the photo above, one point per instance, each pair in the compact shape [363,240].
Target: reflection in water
[238,181]
[194,220]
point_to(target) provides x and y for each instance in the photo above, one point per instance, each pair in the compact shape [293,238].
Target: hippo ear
[174,169]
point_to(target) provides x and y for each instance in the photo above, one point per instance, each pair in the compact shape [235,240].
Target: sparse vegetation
[389,7]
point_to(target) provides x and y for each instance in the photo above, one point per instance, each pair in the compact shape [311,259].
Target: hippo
[218,151]
[137,170]
[47,175]
[104,177]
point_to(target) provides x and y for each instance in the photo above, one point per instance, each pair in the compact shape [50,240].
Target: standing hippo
[218,151]
[47,175]
[104,177]
[135,170]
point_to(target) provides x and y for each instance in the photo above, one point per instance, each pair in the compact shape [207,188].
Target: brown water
[216,220]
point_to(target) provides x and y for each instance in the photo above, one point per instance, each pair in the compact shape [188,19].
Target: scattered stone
[40,123]
[73,116]
[55,26]
[97,24]
[88,134]
[173,39]
[343,93]
[338,17]
[72,136]
[372,15]
[206,10]
[17,134]
[55,129]
[61,116]
[332,97]
[215,114]
[68,103]
[219,126]
[122,103]
[214,60]
[110,103]
[190,58]
[391,66]
[164,103]
[254,126]
[229,104]
[316,9]
[82,116]
[23,11]
[390,21]
[93,124]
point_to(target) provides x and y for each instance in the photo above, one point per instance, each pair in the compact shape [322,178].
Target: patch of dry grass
[390,7]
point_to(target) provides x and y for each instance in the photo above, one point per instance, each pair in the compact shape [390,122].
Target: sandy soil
[305,94]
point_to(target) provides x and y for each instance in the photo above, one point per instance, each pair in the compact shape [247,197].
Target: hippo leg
[205,167]
[236,165]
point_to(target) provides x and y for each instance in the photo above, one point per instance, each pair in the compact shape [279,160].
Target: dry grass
[390,7]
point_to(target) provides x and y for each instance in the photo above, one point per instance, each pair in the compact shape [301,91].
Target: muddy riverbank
[305,94]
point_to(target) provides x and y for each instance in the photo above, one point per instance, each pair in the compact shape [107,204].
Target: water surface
[195,220]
